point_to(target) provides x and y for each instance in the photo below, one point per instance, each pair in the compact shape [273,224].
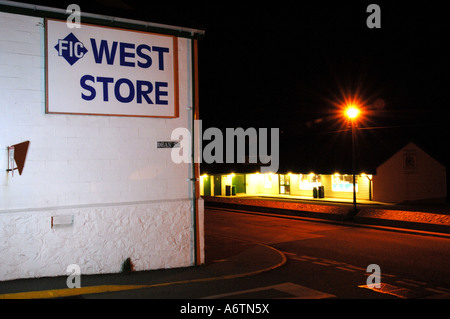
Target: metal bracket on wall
[17,154]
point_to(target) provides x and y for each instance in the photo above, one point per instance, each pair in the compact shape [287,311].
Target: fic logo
[70,48]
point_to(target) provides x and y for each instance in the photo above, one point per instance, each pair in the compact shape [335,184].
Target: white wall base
[154,235]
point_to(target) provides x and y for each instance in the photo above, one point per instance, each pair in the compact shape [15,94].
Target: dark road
[321,260]
[333,258]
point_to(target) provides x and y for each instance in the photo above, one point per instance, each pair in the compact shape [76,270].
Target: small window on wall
[308,182]
[343,183]
[409,162]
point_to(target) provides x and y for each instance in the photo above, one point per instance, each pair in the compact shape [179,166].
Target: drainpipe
[195,170]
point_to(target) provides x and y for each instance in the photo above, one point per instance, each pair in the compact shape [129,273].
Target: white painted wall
[127,197]
[393,183]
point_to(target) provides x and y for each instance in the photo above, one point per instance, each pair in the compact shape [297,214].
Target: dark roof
[328,154]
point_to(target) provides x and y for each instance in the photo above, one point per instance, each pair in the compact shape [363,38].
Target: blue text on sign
[141,90]
[127,54]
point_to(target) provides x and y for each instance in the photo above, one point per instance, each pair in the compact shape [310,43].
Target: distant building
[409,175]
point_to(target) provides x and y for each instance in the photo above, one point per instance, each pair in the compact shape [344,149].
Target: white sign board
[108,71]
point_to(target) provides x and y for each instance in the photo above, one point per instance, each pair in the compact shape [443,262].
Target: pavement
[236,260]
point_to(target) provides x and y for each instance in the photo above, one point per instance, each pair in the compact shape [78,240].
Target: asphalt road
[333,259]
[324,261]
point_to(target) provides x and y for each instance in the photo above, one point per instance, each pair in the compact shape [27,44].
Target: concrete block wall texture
[154,235]
[127,197]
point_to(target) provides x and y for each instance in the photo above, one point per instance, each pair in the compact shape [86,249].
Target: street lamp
[352,113]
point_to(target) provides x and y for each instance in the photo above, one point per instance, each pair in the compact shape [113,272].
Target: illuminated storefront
[410,174]
[305,185]
[343,183]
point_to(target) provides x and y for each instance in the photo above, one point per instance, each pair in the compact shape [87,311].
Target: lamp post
[352,113]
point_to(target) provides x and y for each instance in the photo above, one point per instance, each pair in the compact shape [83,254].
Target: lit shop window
[343,183]
[309,181]
[268,180]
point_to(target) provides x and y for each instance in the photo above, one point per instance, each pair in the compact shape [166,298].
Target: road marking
[320,263]
[333,262]
[346,269]
[329,262]
[296,291]
[355,267]
[308,257]
[399,292]
[383,274]
[416,282]
[300,259]
[437,290]
[59,293]
[407,283]
[288,253]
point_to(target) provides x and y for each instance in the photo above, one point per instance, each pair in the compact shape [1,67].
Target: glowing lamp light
[352,112]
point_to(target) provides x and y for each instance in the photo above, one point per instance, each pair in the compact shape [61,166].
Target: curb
[412,226]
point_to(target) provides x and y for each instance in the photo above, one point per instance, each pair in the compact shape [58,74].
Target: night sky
[289,64]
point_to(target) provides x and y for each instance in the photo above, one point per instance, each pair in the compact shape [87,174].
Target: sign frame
[174,113]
